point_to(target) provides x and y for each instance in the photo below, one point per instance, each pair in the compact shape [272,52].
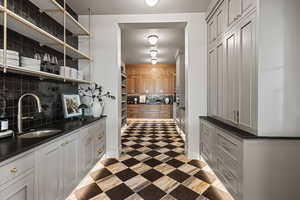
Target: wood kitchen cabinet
[151,79]
[150,111]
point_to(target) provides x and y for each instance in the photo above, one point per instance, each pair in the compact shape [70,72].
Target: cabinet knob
[99,151]
[13,170]
[100,137]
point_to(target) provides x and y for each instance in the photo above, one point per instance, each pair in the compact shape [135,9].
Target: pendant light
[153,39]
[153,53]
[151,3]
[154,61]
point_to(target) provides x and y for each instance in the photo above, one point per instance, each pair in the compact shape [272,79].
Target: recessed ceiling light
[153,39]
[154,61]
[153,53]
[151,3]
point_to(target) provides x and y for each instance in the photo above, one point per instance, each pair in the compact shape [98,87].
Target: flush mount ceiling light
[151,3]
[154,61]
[153,53]
[153,39]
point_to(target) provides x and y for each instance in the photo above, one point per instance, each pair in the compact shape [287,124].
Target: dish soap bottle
[3,118]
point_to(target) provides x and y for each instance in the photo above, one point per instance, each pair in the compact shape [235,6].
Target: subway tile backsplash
[12,86]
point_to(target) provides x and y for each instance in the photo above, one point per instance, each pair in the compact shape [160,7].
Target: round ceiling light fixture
[153,53]
[154,61]
[151,3]
[153,39]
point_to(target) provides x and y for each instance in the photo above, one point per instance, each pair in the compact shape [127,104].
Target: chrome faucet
[20,118]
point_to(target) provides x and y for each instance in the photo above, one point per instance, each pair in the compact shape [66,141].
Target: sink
[40,133]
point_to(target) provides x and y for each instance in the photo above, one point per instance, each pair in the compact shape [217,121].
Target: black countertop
[13,146]
[240,134]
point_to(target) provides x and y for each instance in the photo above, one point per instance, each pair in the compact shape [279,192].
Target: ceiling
[137,6]
[135,46]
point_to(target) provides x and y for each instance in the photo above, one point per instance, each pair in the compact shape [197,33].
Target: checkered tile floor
[152,167]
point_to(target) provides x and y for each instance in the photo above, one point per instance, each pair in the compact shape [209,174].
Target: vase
[97,108]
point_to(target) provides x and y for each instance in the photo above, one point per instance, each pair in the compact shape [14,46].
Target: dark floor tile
[120,192]
[134,153]
[153,146]
[172,154]
[170,146]
[100,174]
[152,162]
[197,163]
[152,175]
[136,146]
[130,162]
[184,193]
[151,192]
[153,153]
[214,193]
[179,176]
[109,161]
[205,176]
[175,163]
[88,192]
[126,174]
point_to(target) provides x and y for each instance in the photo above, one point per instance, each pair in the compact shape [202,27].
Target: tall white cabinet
[252,65]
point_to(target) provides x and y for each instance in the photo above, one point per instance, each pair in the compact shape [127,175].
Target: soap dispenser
[3,118]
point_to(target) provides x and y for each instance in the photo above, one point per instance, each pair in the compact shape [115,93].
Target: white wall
[106,53]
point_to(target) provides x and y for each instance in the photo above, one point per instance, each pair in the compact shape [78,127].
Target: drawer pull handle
[13,170]
[228,175]
[100,137]
[99,151]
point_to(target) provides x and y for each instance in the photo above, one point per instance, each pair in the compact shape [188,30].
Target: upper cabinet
[149,79]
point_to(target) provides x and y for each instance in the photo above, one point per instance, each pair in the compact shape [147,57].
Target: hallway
[152,167]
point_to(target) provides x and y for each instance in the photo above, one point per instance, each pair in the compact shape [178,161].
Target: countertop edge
[45,140]
[241,134]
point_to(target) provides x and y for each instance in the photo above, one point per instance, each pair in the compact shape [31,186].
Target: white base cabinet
[252,169]
[21,188]
[53,170]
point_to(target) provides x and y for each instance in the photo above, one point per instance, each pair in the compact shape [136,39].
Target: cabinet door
[212,29]
[234,10]
[221,22]
[131,84]
[220,81]
[232,77]
[86,155]
[69,164]
[248,74]
[49,173]
[213,82]
[247,5]
[21,189]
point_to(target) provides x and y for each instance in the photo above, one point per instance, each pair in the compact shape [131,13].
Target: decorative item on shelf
[95,92]
[3,118]
[30,63]
[83,107]
[71,104]
[12,58]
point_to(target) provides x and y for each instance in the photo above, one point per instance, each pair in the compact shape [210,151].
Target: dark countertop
[150,104]
[12,146]
[240,134]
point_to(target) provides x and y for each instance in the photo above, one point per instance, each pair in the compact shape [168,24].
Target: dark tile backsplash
[12,86]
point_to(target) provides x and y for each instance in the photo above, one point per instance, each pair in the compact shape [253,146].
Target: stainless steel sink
[40,133]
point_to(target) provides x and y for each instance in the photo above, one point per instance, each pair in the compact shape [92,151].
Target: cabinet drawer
[229,179]
[16,168]
[100,150]
[228,162]
[229,145]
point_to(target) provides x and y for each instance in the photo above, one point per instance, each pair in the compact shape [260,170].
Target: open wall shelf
[56,11]
[11,20]
[40,74]
[28,29]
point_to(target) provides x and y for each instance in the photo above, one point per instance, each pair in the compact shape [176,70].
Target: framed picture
[71,104]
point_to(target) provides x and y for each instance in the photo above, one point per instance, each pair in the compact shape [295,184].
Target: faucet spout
[20,130]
